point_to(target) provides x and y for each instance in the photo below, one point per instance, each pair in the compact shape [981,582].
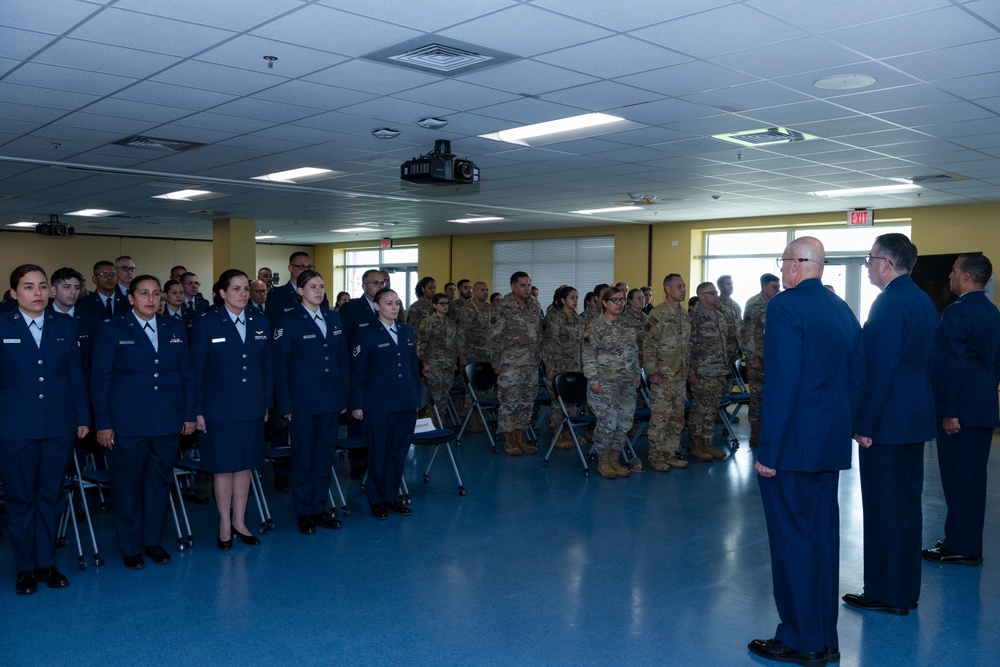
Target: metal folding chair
[571,388]
[479,379]
[436,438]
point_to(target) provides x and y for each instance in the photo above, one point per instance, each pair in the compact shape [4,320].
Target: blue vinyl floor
[533,567]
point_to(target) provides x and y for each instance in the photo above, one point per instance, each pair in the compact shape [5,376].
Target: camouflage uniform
[561,339]
[457,306]
[752,342]
[636,319]
[611,358]
[517,346]
[665,353]
[420,310]
[711,345]
[589,315]
[474,323]
[437,347]
[734,319]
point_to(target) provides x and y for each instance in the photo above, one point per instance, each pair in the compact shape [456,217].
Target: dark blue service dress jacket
[139,391]
[965,364]
[93,303]
[283,299]
[897,404]
[311,373]
[233,378]
[357,314]
[384,375]
[43,393]
[86,328]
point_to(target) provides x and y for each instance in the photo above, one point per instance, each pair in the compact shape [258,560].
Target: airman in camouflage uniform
[461,300]
[665,359]
[730,309]
[437,349]
[752,342]
[611,364]
[421,308]
[636,319]
[517,346]
[562,332]
[712,343]
[474,324]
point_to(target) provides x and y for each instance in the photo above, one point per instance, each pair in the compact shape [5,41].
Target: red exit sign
[861,217]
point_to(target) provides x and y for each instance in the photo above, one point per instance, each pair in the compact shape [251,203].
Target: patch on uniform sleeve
[649,326]
[357,350]
[586,336]
[278,333]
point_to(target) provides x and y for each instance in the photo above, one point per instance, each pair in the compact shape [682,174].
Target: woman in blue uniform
[231,350]
[385,395]
[311,382]
[143,396]
[44,409]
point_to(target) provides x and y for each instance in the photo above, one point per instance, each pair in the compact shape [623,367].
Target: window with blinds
[580,262]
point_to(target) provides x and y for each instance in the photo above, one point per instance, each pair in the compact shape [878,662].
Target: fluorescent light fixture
[266,236]
[187,195]
[353,230]
[877,190]
[94,213]
[23,224]
[478,219]
[613,209]
[302,175]
[521,135]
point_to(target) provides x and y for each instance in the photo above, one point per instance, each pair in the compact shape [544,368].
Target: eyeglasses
[443,303]
[106,274]
[193,282]
[617,299]
[782,260]
[379,283]
[125,269]
[304,267]
[712,293]
[869,258]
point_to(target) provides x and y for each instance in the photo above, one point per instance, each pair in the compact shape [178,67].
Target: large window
[399,263]
[580,262]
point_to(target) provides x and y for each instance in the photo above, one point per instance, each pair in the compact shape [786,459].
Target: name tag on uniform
[363,324]
[11,340]
[260,337]
[126,342]
[384,344]
[337,332]
[218,340]
[309,336]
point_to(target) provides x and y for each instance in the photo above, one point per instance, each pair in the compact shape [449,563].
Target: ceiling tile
[640,13]
[979,58]
[818,17]
[527,77]
[247,14]
[315,95]
[247,52]
[149,33]
[44,97]
[326,29]
[458,95]
[152,92]
[65,78]
[614,56]
[105,58]
[58,17]
[372,77]
[687,78]
[217,78]
[420,16]
[806,54]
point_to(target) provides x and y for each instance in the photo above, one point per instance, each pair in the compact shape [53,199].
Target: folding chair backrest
[480,376]
[739,375]
[571,388]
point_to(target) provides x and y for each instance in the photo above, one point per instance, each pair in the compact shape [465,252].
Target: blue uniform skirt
[231,446]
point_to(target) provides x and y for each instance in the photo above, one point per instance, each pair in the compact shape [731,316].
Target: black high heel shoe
[251,540]
[225,545]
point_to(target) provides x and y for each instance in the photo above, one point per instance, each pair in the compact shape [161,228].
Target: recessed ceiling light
[385,133]
[188,195]
[301,175]
[432,123]
[876,190]
[23,224]
[483,218]
[764,136]
[94,213]
[569,126]
[612,209]
[845,81]
[353,230]
[266,236]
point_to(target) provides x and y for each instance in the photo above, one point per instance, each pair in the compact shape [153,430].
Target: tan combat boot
[510,447]
[698,450]
[475,426]
[523,444]
[604,467]
[619,469]
[565,440]
[674,460]
[712,451]
[658,462]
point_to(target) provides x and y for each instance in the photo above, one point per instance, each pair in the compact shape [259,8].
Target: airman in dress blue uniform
[44,409]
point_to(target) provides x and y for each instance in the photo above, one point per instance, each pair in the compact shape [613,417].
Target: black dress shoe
[51,576]
[26,583]
[135,562]
[379,511]
[773,649]
[396,507]
[306,525]
[327,520]
[281,484]
[225,545]
[249,540]
[833,655]
[945,557]
[158,554]
[871,604]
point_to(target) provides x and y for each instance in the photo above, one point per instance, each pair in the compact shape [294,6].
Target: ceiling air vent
[937,178]
[157,143]
[439,55]
[764,136]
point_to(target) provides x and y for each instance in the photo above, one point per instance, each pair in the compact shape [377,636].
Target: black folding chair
[480,379]
[571,388]
[436,438]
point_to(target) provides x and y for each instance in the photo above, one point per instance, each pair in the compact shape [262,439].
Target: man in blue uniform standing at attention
[894,421]
[815,372]
[965,372]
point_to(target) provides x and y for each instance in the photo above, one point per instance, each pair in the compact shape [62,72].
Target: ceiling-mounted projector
[439,167]
[54,228]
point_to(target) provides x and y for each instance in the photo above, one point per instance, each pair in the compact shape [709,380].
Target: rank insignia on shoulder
[357,350]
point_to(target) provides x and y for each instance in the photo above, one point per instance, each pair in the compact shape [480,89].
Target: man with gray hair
[896,417]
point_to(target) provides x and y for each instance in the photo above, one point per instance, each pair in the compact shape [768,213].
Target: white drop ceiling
[78,75]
